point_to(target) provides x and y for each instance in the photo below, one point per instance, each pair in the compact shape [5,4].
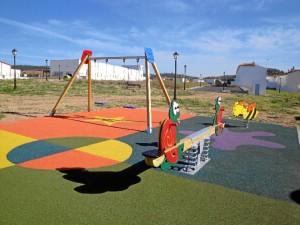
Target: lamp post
[200,80]
[14,52]
[224,82]
[279,84]
[58,72]
[184,77]
[175,55]
[46,69]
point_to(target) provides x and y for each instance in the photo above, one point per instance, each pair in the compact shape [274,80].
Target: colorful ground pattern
[67,153]
[83,140]
[101,152]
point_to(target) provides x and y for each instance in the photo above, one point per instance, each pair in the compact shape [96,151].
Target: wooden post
[149,116]
[161,84]
[89,86]
[68,86]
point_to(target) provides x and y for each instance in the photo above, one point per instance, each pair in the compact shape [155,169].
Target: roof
[277,75]
[245,64]
[5,63]
[293,70]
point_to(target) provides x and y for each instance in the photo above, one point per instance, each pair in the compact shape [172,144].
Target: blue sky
[211,36]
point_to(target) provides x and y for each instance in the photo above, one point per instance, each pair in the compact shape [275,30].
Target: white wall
[12,74]
[6,72]
[272,82]
[99,70]
[252,76]
[289,82]
[210,81]
[292,82]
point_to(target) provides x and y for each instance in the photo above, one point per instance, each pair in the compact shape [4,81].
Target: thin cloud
[34,28]
[47,33]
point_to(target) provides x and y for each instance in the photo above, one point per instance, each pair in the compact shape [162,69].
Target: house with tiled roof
[6,72]
[251,77]
[291,82]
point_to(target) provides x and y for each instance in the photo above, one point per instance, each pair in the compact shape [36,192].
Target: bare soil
[21,107]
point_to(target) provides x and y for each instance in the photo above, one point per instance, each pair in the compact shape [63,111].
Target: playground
[89,168]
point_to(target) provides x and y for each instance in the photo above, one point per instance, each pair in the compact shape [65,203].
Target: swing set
[86,59]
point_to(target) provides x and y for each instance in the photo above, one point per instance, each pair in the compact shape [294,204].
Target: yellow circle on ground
[110,149]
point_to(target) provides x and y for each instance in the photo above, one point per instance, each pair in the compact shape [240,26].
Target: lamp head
[14,52]
[176,55]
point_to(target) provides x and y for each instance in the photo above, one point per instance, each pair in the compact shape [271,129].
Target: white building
[272,82]
[99,70]
[209,80]
[6,72]
[289,82]
[292,81]
[252,77]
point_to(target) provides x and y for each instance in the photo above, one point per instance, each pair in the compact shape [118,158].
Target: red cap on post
[84,53]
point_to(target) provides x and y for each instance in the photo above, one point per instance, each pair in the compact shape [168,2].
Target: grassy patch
[197,105]
[273,102]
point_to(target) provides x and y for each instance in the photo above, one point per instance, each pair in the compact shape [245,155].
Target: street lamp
[184,77]
[175,55]
[224,82]
[14,52]
[46,68]
[279,84]
[200,79]
[58,72]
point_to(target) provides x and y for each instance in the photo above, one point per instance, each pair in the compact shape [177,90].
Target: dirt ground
[14,108]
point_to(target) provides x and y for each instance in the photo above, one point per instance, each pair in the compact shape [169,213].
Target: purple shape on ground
[229,140]
[186,132]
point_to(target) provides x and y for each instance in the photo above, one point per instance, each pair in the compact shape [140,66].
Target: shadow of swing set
[186,155]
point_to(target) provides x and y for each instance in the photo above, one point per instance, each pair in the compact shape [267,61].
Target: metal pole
[224,82]
[46,69]
[200,79]
[175,79]
[184,77]
[279,84]
[15,76]
[58,72]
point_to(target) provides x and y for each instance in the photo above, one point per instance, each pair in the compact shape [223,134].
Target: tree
[272,71]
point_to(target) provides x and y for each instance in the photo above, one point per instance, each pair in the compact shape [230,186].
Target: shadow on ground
[295,196]
[103,181]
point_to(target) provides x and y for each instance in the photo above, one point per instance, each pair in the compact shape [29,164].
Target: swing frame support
[86,59]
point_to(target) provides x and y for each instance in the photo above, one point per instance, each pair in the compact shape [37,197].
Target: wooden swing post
[162,85]
[68,86]
[89,86]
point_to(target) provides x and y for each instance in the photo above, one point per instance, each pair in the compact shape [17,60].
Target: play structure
[86,59]
[189,154]
[245,111]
